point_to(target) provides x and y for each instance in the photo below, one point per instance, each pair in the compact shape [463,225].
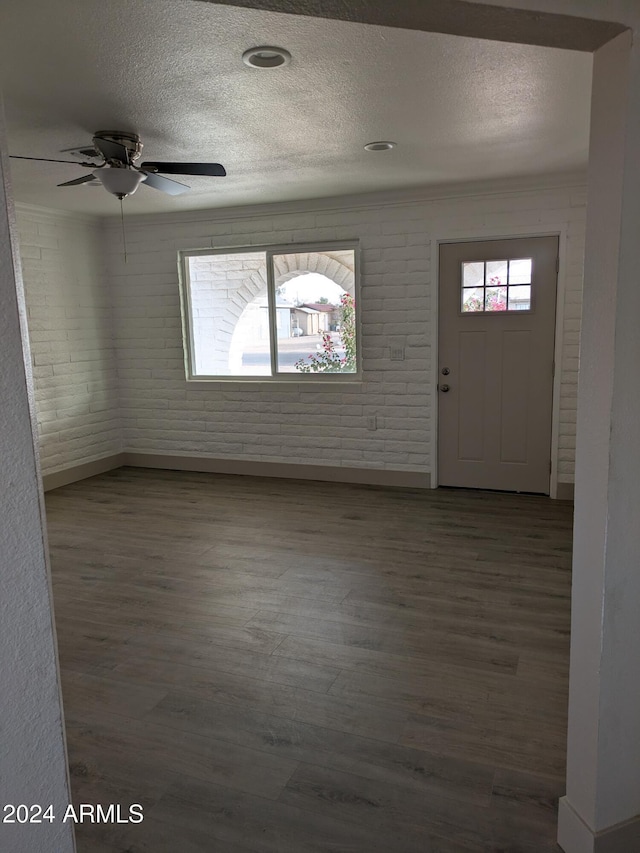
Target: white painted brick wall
[71,336]
[317,424]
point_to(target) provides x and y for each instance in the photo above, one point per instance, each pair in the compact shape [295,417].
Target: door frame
[450,235]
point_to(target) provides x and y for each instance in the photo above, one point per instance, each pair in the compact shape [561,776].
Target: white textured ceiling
[460,109]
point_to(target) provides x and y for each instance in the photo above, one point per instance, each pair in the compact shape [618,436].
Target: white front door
[496,343]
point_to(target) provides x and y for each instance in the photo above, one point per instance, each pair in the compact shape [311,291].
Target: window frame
[269,250]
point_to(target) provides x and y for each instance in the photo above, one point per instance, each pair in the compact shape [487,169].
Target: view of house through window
[265,314]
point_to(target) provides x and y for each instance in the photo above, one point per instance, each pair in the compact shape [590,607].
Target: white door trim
[450,235]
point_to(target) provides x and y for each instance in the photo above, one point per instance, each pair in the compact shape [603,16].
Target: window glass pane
[473,299]
[520,298]
[473,274]
[496,299]
[229,315]
[316,312]
[520,271]
[496,273]
[250,351]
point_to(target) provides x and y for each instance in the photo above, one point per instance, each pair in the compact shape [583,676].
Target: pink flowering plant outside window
[495,298]
[335,357]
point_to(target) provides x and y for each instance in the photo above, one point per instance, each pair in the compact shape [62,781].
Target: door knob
[445,371]
[444,388]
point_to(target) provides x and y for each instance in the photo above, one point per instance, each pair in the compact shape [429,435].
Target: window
[496,286]
[286,313]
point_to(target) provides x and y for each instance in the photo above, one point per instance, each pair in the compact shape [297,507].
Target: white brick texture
[71,336]
[298,422]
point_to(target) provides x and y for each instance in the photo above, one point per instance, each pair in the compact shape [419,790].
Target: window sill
[355,379]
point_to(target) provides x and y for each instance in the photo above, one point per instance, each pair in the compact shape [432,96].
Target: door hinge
[558,264]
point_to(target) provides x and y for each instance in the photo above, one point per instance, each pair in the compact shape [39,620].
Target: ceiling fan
[118,172]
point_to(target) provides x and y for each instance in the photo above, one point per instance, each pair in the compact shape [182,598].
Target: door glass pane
[473,274]
[520,271]
[496,273]
[496,299]
[316,312]
[520,298]
[473,299]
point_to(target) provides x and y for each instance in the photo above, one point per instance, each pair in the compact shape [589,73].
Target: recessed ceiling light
[266,57]
[379,146]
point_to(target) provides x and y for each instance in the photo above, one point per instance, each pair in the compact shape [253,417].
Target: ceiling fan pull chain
[124,236]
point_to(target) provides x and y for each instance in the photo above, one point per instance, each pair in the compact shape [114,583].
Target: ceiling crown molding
[387,198]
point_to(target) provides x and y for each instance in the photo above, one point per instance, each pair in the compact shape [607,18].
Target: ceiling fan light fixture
[266,57]
[380,146]
[119,182]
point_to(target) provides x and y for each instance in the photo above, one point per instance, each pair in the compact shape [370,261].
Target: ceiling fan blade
[111,150]
[85,179]
[49,160]
[165,185]
[213,170]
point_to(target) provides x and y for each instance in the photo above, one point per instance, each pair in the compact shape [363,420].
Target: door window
[503,285]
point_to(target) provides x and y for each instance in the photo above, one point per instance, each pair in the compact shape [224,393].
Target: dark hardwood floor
[276,666]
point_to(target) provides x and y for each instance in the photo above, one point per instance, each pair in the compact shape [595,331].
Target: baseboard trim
[574,836]
[286,470]
[82,471]
[565,492]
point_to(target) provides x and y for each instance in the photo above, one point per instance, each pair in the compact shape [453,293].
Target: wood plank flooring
[273,666]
